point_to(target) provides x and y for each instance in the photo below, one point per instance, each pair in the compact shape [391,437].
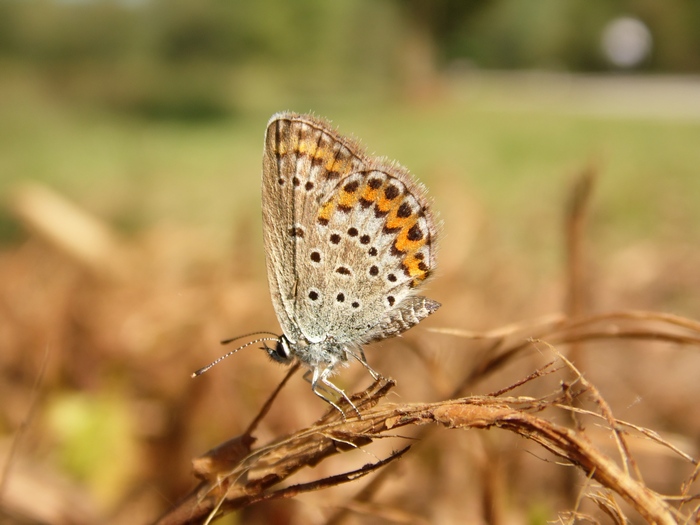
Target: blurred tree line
[194,57]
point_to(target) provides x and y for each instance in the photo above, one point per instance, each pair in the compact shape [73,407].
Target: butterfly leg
[312,376]
[362,359]
[326,385]
[307,377]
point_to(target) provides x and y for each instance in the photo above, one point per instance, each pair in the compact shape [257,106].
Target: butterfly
[349,239]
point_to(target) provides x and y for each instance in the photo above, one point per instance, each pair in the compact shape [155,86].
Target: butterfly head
[281,351]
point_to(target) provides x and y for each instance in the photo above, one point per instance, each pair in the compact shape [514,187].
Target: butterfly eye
[281,352]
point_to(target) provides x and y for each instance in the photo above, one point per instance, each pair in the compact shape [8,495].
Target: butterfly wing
[371,248]
[303,161]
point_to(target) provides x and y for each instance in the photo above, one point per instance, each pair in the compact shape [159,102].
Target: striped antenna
[227,341]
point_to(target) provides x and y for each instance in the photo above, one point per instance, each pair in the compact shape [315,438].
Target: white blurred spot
[626,41]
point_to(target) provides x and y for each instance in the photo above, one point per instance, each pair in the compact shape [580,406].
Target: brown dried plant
[236,474]
[241,472]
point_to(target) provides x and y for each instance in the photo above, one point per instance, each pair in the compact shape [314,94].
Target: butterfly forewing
[302,163]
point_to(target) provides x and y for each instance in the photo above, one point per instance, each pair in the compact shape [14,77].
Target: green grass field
[513,143]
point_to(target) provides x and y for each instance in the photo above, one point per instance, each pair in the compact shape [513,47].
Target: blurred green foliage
[194,59]
[566,34]
[90,431]
[500,33]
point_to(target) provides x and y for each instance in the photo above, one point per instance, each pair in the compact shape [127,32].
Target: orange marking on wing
[412,264]
[405,245]
[370,195]
[347,199]
[416,269]
[326,211]
[383,204]
[393,221]
[419,280]
[281,148]
[302,147]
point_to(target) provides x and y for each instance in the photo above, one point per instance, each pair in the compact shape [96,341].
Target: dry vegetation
[605,435]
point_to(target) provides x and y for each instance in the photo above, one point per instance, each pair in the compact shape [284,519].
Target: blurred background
[131,136]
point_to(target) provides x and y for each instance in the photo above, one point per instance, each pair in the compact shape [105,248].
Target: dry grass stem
[251,475]
[141,316]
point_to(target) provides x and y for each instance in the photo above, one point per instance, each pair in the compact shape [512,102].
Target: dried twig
[251,475]
[575,223]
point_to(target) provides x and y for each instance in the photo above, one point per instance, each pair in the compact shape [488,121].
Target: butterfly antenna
[218,360]
[232,339]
